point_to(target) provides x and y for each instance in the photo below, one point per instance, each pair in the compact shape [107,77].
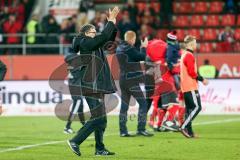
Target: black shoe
[74,147]
[170,126]
[144,133]
[126,135]
[185,133]
[104,152]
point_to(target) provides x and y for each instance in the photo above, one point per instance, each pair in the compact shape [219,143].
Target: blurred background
[35,34]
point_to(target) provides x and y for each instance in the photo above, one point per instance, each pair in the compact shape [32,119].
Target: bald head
[130,37]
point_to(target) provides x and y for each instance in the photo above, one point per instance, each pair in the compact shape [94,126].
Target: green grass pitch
[42,138]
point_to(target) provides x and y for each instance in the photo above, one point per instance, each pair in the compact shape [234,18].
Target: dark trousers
[149,87]
[96,124]
[77,108]
[126,93]
[193,107]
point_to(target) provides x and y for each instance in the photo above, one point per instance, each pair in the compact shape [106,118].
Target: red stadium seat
[162,34]
[228,20]
[156,6]
[197,20]
[141,6]
[237,34]
[200,7]
[238,20]
[175,7]
[195,32]
[210,34]
[181,33]
[183,7]
[237,47]
[181,21]
[206,47]
[212,20]
[216,7]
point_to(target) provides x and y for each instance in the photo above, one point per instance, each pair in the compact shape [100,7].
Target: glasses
[93,32]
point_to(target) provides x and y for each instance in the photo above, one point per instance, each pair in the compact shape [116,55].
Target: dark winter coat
[173,54]
[91,65]
[133,55]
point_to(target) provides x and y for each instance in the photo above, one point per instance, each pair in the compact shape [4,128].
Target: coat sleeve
[114,34]
[137,56]
[99,40]
[169,58]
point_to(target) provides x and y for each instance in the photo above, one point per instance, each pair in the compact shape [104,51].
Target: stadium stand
[202,18]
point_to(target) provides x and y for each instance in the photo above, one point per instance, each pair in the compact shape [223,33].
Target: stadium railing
[43,43]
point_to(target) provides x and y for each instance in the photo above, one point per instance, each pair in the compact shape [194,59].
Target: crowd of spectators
[13,17]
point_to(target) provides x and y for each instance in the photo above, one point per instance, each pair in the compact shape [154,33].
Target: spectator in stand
[12,26]
[66,30]
[125,24]
[96,19]
[87,7]
[132,10]
[146,32]
[207,70]
[226,39]
[4,13]
[229,6]
[6,2]
[72,22]
[147,18]
[237,4]
[102,22]
[82,19]
[18,8]
[149,10]
[166,12]
[50,26]
[32,28]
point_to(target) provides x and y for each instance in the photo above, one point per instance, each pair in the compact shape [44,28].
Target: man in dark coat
[130,79]
[96,81]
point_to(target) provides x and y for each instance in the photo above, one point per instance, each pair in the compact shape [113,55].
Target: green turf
[219,141]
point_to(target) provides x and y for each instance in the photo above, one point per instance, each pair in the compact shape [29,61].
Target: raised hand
[112,14]
[144,43]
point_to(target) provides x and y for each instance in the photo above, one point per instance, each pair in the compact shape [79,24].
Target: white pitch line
[29,146]
[217,121]
[57,142]
[40,144]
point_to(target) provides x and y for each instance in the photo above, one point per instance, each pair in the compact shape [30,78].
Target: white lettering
[225,71]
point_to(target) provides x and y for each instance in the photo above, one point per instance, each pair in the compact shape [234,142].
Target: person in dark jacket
[73,79]
[130,81]
[173,55]
[96,81]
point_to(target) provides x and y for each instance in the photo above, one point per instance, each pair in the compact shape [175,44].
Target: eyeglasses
[93,32]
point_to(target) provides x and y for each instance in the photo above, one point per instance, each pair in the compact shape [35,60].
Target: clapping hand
[144,43]
[112,14]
